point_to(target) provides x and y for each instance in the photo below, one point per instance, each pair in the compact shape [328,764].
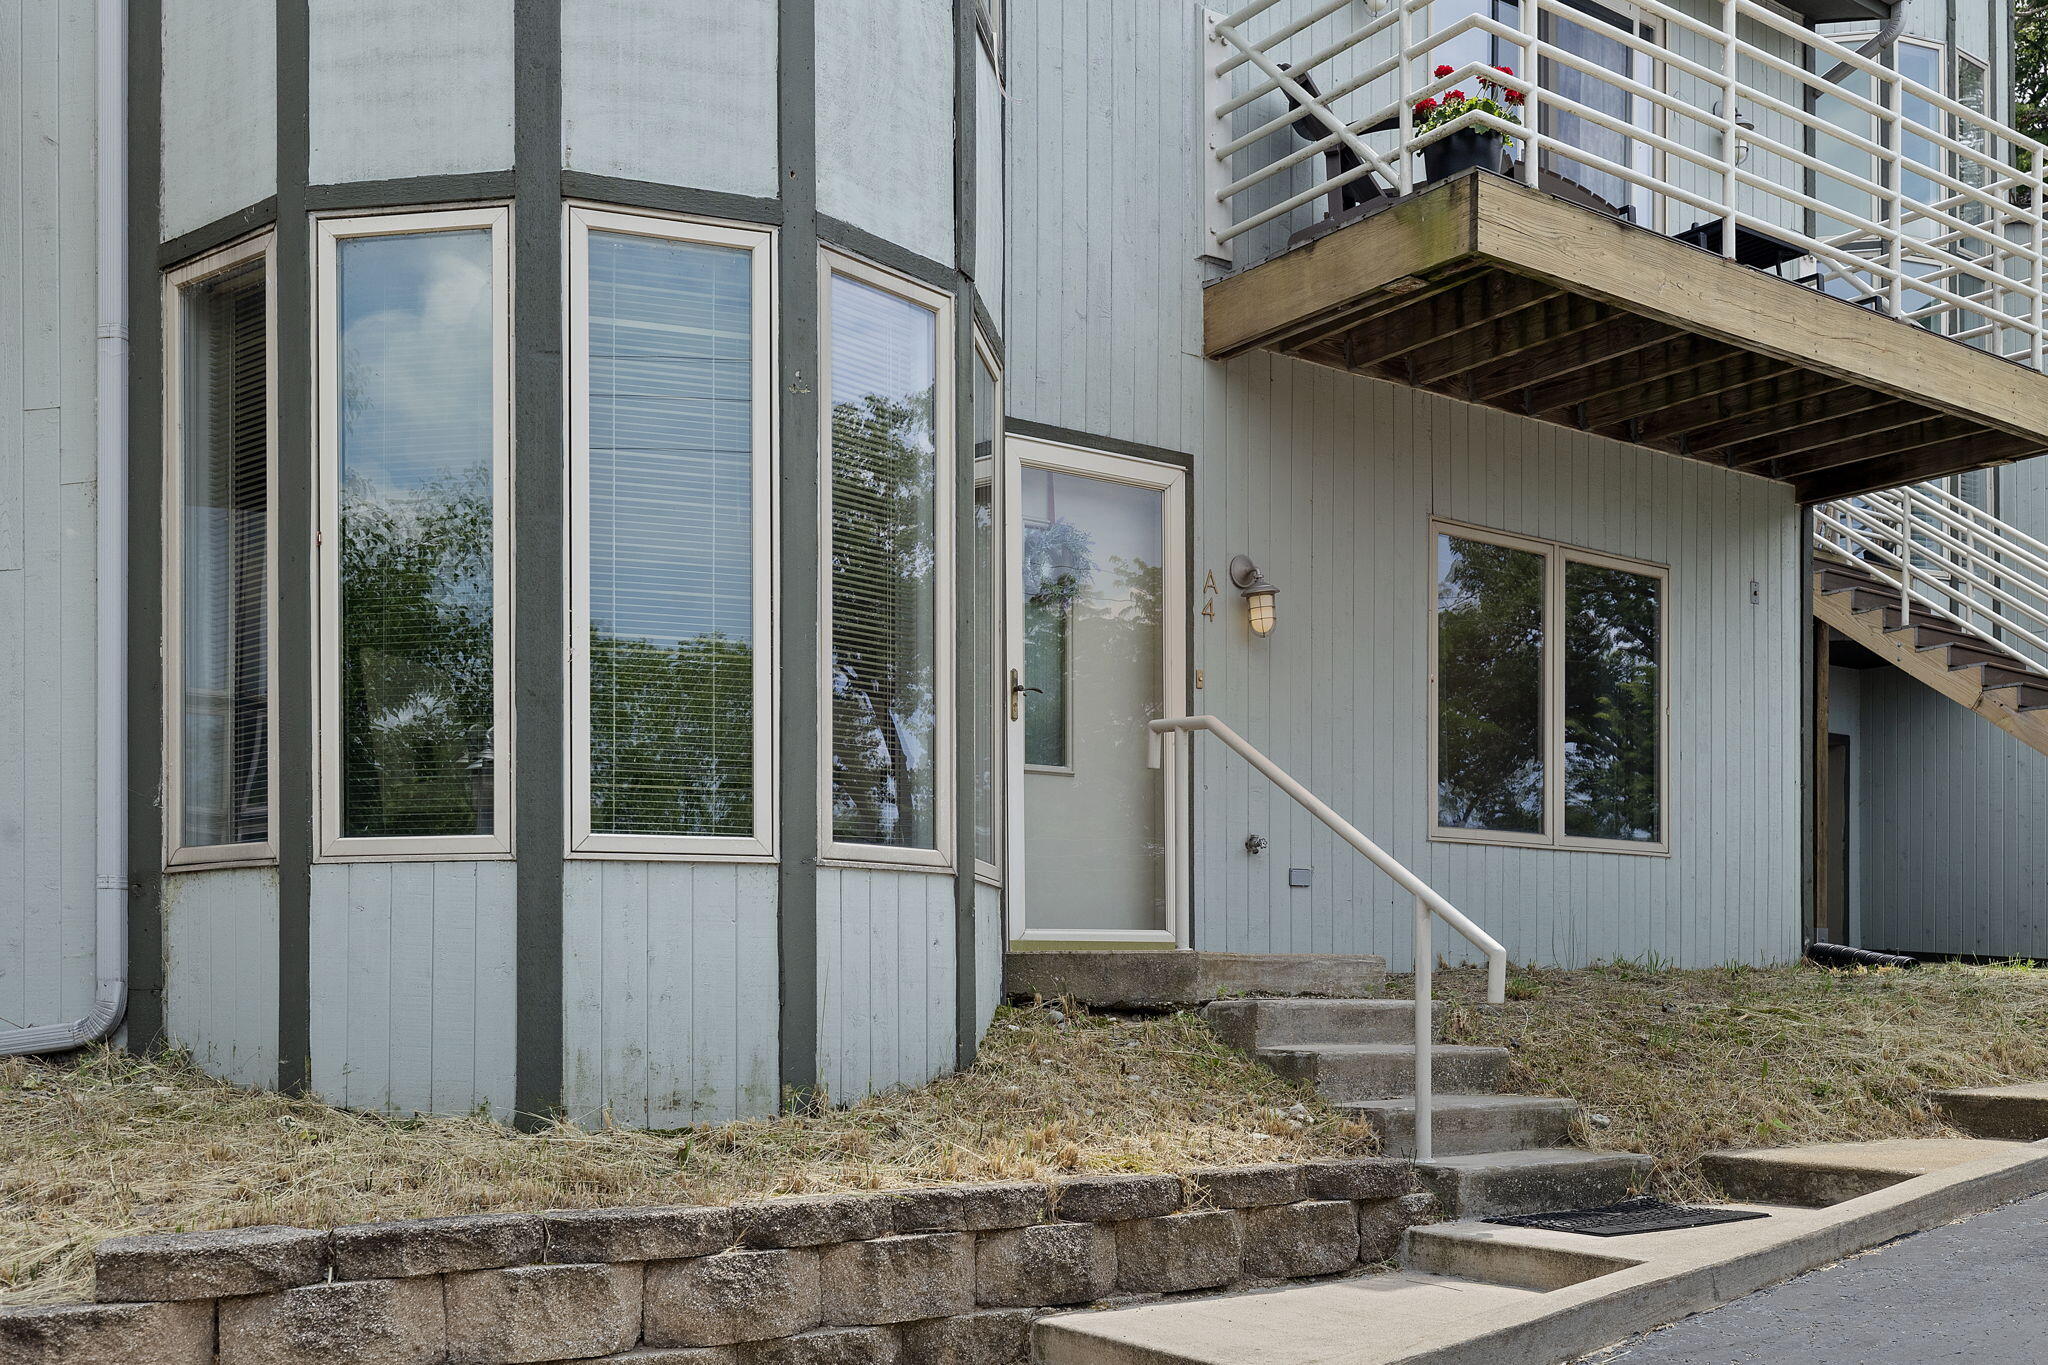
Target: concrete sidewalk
[1969,1291]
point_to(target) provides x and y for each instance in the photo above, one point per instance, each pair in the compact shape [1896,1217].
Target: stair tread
[1339,1049]
[1405,1104]
[1540,1156]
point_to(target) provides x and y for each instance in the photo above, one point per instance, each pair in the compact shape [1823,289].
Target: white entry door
[1097,626]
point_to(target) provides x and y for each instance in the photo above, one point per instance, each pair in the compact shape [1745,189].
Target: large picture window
[1550,682]
[219,532]
[888,552]
[671,412]
[413,389]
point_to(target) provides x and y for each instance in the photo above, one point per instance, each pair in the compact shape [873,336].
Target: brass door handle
[1017,691]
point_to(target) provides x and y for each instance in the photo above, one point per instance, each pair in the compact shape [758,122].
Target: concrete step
[1378,1071]
[1829,1173]
[2014,1113]
[1486,1184]
[1255,1024]
[1492,1254]
[1128,979]
[1468,1124]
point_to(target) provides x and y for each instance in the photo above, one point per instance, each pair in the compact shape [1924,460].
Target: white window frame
[329,233]
[992,873]
[583,219]
[1556,554]
[260,247]
[945,632]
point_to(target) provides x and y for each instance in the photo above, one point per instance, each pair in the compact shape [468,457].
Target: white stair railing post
[1425,1033]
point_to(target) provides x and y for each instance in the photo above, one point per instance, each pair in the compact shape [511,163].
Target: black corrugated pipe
[1842,955]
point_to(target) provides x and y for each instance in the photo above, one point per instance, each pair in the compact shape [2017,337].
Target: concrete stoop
[1473,1293]
[1169,979]
[2014,1113]
[1495,1153]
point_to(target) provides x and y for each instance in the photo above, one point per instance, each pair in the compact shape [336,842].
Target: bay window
[887,555]
[1550,685]
[670,366]
[220,534]
[413,388]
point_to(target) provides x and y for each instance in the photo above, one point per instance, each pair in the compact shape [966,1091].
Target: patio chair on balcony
[1354,198]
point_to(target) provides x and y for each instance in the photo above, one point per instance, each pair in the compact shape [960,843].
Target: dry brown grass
[114,1144]
[1684,1063]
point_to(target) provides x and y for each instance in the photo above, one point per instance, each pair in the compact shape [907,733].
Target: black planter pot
[1462,150]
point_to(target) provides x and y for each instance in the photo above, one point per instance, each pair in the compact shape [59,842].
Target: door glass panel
[1595,92]
[1489,601]
[1094,811]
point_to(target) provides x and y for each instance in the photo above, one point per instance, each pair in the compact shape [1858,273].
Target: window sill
[1444,836]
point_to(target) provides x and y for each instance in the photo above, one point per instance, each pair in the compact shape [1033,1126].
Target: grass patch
[109,1144]
[1686,1062]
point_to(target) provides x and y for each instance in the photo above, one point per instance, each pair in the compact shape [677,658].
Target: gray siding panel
[1956,828]
[988,184]
[885,979]
[412,995]
[47,522]
[885,120]
[988,951]
[220,971]
[219,110]
[402,89]
[669,992]
[1330,482]
[676,91]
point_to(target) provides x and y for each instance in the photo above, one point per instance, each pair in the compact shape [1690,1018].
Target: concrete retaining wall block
[171,1266]
[542,1312]
[734,1297]
[348,1322]
[898,1279]
[1179,1252]
[1054,1263]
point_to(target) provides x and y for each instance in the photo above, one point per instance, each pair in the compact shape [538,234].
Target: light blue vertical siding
[885,979]
[220,971]
[669,992]
[47,523]
[1330,481]
[412,986]
[988,953]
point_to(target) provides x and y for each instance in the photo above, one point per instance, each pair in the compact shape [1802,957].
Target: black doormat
[1641,1214]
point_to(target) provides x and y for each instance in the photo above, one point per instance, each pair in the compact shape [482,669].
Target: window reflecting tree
[1490,689]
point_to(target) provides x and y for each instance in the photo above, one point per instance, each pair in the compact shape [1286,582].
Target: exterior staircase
[1978,589]
[1494,1153]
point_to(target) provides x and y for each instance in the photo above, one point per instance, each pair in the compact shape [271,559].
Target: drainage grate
[1641,1214]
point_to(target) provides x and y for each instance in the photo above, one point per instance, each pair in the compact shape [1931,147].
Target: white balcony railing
[1898,196]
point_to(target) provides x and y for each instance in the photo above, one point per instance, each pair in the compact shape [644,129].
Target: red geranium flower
[1445,70]
[1513,96]
[1424,107]
[1505,70]
[1454,97]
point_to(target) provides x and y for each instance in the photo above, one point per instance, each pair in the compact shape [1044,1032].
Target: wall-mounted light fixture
[1745,121]
[1259,595]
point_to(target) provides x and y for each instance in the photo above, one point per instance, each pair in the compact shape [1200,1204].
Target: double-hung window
[887,595]
[220,438]
[413,404]
[671,411]
[1551,686]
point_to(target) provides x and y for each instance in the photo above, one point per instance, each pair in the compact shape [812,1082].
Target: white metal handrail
[1927,209]
[1951,559]
[1168,735]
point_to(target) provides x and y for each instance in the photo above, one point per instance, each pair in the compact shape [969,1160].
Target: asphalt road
[1973,1291]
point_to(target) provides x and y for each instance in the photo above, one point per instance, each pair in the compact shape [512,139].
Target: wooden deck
[1489,291]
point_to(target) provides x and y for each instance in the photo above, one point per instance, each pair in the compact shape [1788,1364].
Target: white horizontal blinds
[417,619]
[987,660]
[1490,637]
[224,620]
[884,559]
[1613,703]
[671,633]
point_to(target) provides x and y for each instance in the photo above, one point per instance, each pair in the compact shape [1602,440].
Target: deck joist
[1486,290]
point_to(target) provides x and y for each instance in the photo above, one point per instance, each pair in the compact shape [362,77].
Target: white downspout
[110,674]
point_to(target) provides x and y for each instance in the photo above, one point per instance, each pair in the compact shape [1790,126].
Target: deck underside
[1485,290]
